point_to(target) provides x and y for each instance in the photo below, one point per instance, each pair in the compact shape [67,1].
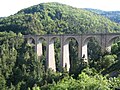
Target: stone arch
[110,40]
[67,39]
[85,45]
[39,47]
[52,39]
[31,40]
[40,38]
[66,51]
[88,38]
[51,55]
[86,42]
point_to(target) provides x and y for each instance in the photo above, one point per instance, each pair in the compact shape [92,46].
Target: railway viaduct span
[104,40]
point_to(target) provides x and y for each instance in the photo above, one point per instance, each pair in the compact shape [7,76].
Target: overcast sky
[10,7]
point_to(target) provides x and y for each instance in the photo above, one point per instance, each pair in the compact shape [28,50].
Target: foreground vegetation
[21,70]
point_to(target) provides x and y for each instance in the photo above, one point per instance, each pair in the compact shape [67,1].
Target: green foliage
[112,15]
[55,18]
[84,82]
[36,87]
[20,69]
[116,48]
[18,63]
[114,82]
[2,82]
[113,69]
[108,60]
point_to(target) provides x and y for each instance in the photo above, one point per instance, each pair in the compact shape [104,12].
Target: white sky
[10,7]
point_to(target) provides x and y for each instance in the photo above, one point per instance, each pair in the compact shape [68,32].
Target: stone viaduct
[104,40]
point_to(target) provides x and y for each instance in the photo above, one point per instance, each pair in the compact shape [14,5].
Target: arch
[57,48]
[110,40]
[65,52]
[86,42]
[67,39]
[51,59]
[39,47]
[88,38]
[84,46]
[40,40]
[53,39]
[31,40]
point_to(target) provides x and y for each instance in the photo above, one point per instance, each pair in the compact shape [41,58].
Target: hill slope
[112,15]
[55,18]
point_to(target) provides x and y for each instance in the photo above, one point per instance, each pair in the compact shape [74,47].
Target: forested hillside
[20,69]
[112,15]
[55,18]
